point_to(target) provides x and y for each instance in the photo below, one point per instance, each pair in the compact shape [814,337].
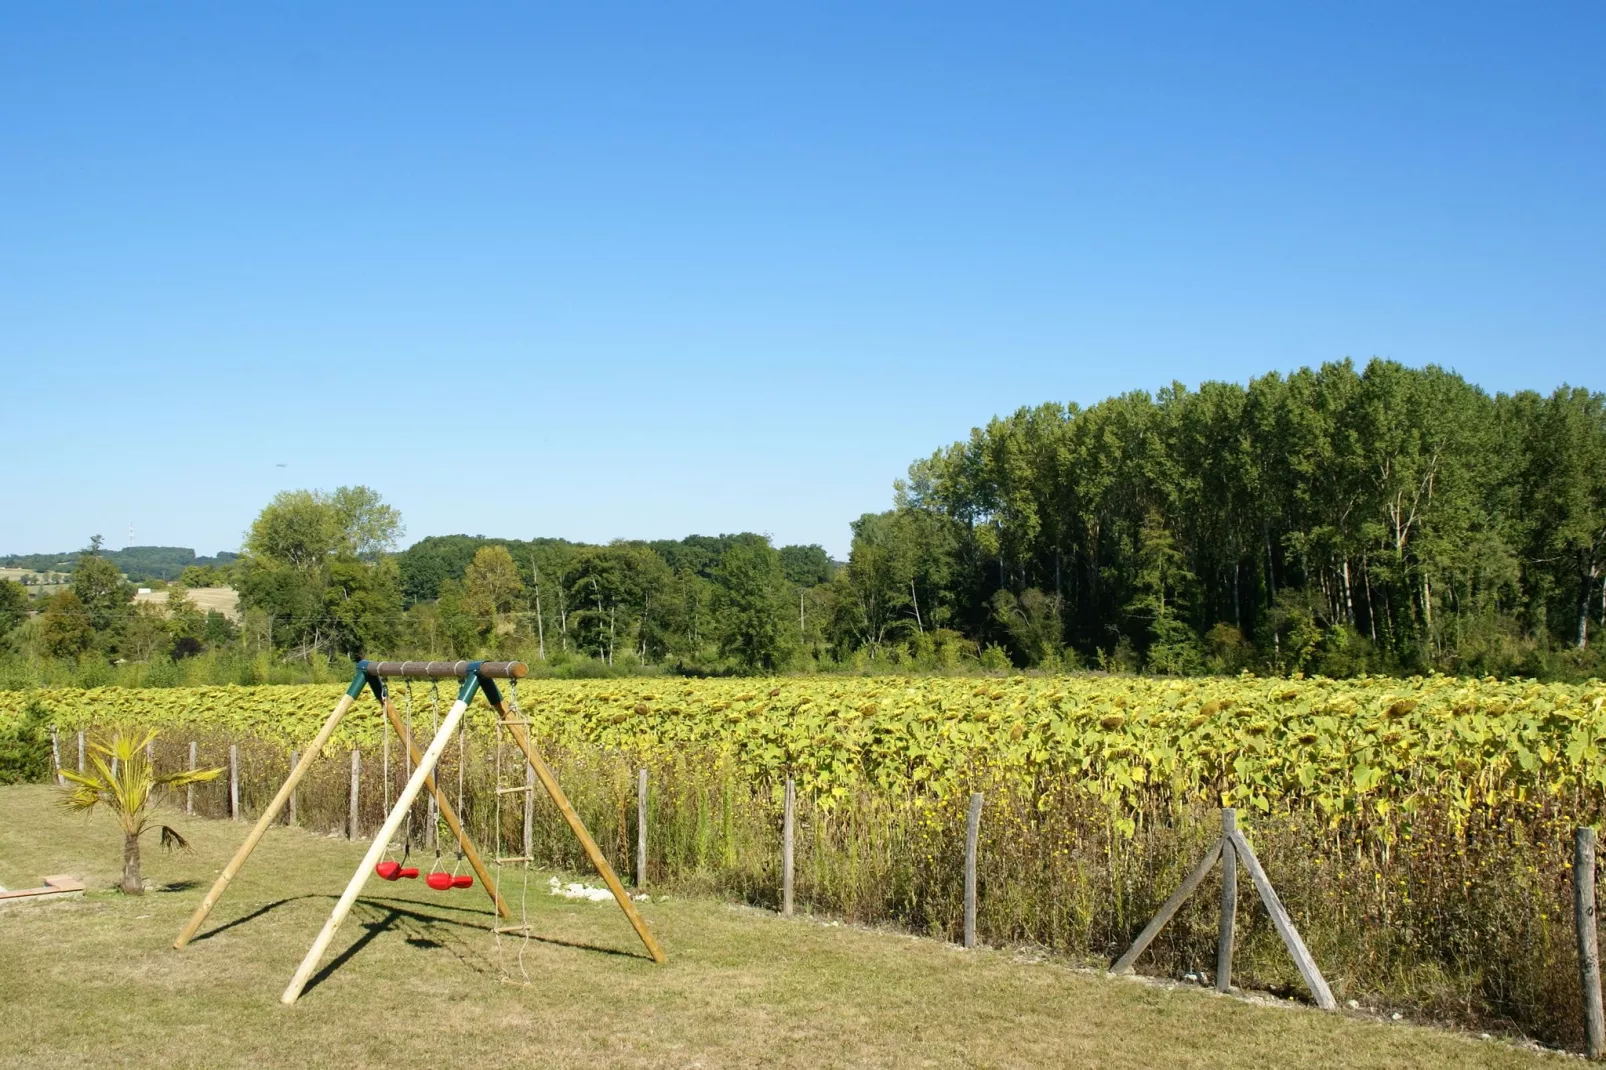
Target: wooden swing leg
[269,816]
[593,852]
[452,820]
[377,849]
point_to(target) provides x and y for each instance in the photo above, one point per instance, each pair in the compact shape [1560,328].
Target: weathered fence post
[55,756]
[788,836]
[972,833]
[1588,940]
[80,750]
[641,828]
[1229,901]
[290,806]
[352,831]
[529,810]
[234,781]
[189,789]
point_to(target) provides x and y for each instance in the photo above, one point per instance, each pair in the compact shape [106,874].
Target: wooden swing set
[474,677]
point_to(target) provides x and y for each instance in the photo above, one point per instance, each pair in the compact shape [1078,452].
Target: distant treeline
[136,562]
[1333,521]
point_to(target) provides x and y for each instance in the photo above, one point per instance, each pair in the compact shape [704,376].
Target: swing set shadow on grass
[475,678]
[399,909]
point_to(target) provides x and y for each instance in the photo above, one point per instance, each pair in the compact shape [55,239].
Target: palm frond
[171,839]
[82,778]
[187,776]
[85,794]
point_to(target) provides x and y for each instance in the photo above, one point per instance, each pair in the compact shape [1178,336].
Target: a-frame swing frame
[475,676]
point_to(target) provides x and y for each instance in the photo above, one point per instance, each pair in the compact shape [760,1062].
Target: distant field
[36,582]
[226,600]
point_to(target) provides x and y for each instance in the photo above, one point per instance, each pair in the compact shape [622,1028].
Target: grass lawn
[416,980]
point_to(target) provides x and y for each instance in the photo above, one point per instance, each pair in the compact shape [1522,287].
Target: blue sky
[680,268]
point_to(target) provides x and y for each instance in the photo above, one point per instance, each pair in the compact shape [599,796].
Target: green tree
[805,566]
[317,565]
[217,630]
[103,593]
[67,628]
[751,605]
[1032,622]
[147,636]
[362,606]
[25,746]
[1565,480]
[491,584]
[196,576]
[1160,576]
[184,617]
[13,605]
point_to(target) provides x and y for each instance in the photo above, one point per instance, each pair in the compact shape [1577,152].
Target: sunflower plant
[125,782]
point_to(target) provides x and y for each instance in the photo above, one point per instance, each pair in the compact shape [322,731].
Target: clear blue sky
[670,269]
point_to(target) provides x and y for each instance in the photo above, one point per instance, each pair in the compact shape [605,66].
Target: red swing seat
[393,871]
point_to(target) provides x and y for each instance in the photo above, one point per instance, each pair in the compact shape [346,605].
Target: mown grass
[416,979]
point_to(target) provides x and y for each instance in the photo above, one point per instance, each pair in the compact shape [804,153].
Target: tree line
[1333,521]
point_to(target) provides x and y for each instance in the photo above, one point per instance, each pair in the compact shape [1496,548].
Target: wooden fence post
[641,828]
[1229,901]
[290,807]
[55,756]
[352,831]
[1588,940]
[189,789]
[80,750]
[972,833]
[234,781]
[788,836]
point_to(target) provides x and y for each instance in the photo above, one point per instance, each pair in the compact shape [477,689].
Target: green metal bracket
[471,683]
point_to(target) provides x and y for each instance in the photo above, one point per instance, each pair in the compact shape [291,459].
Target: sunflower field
[1418,829]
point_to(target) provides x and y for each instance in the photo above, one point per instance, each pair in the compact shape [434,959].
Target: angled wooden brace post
[387,832]
[271,814]
[1233,840]
[521,738]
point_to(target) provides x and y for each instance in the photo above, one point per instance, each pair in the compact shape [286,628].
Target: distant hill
[138,562]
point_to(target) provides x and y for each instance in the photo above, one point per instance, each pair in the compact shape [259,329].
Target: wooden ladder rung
[514,858]
[513,791]
[500,929]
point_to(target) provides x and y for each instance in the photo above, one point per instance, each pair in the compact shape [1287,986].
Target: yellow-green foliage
[1376,745]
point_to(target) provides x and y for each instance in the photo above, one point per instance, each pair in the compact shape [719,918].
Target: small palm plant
[125,782]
